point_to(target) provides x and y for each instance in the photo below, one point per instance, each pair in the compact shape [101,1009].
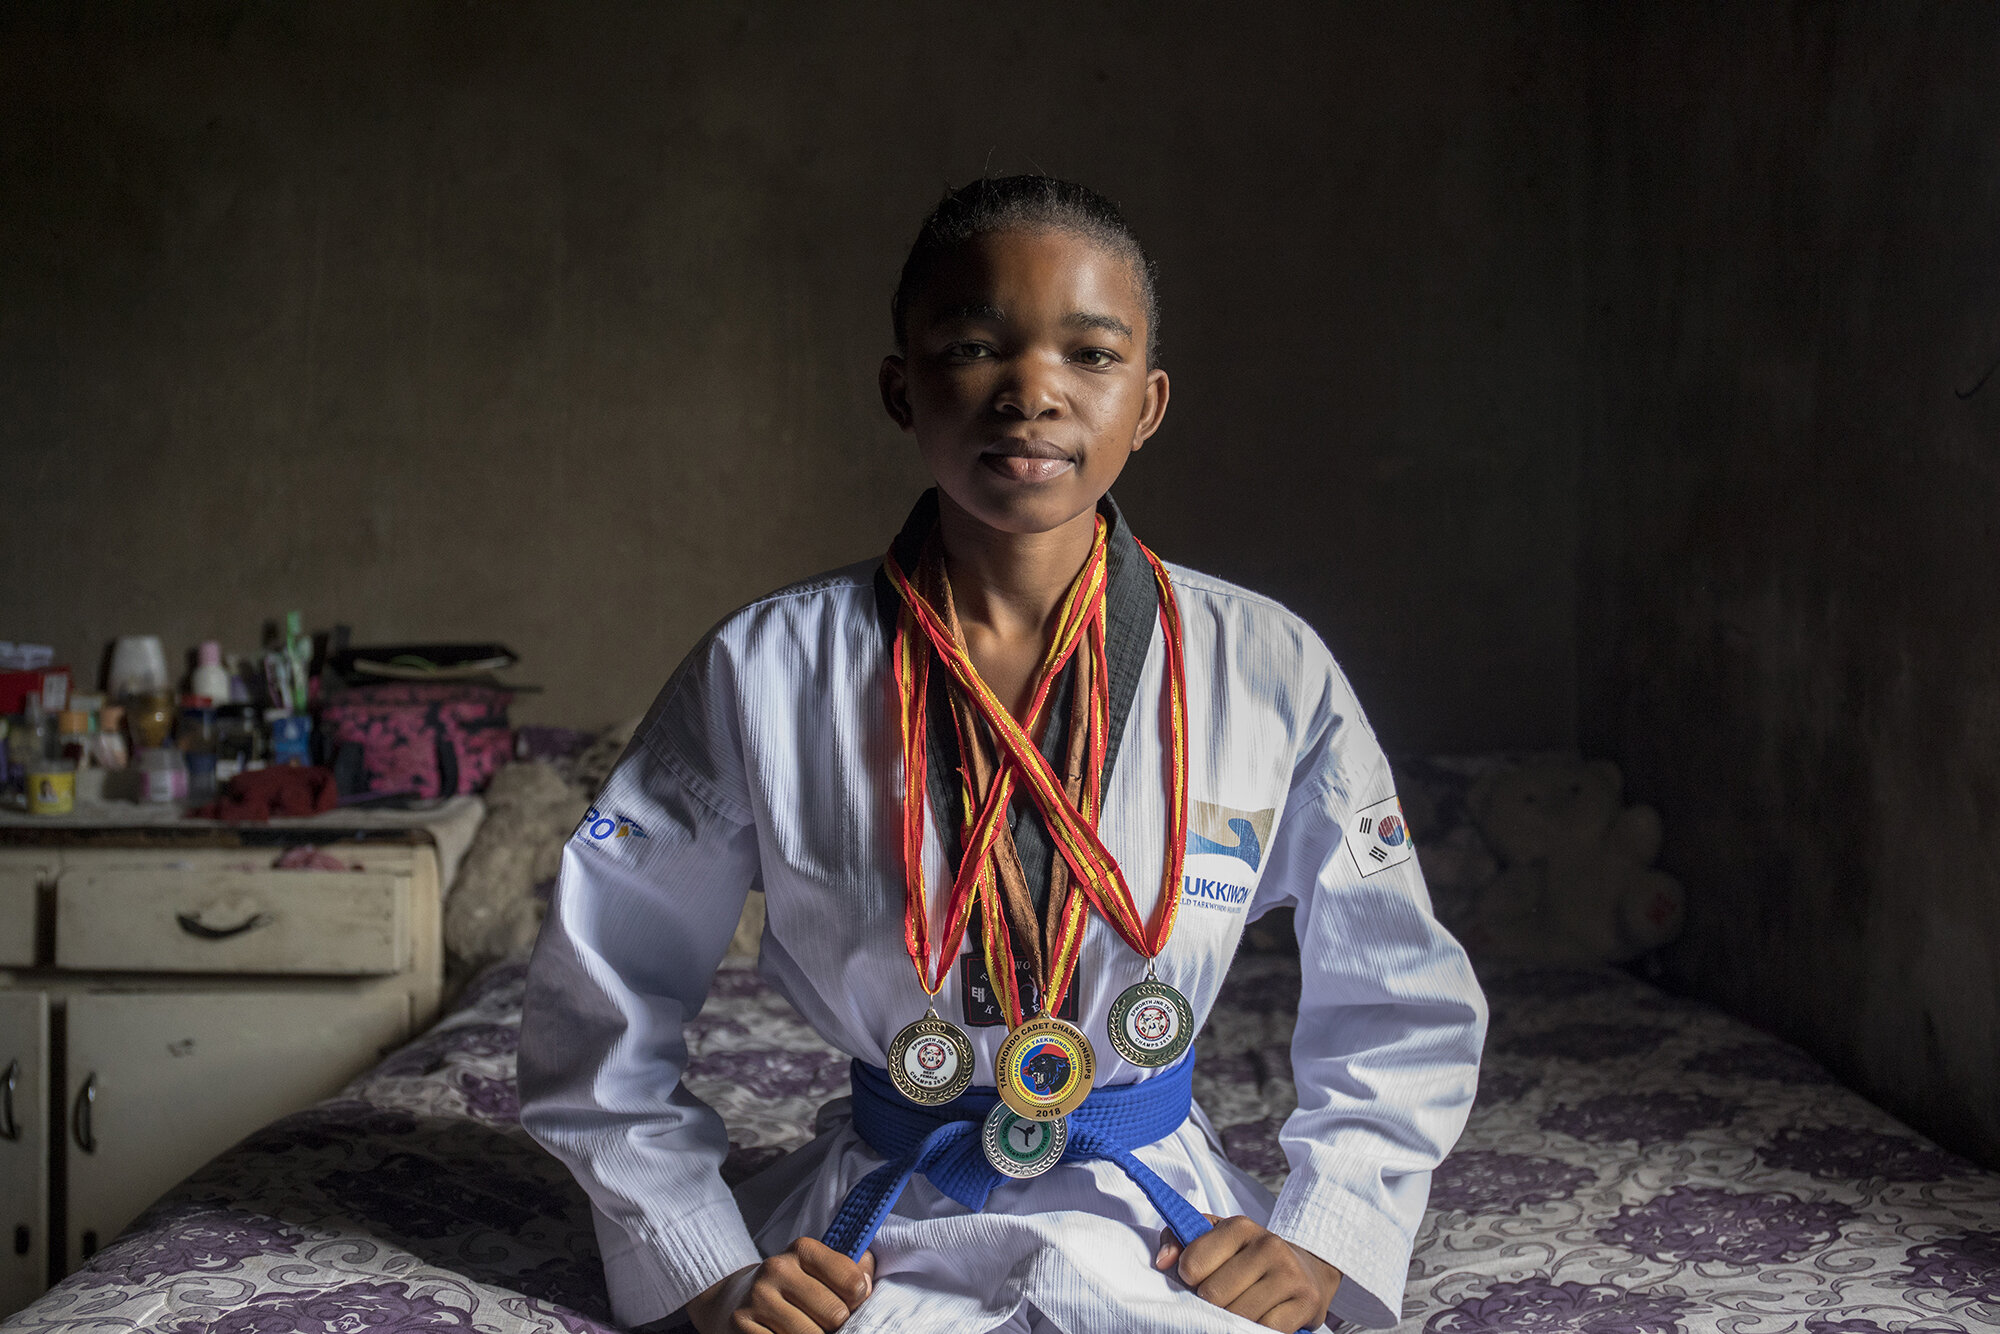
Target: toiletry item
[240,670]
[291,737]
[236,742]
[55,692]
[108,747]
[196,739]
[30,740]
[25,657]
[210,679]
[151,717]
[51,788]
[138,666]
[21,752]
[298,658]
[163,775]
[73,737]
[90,784]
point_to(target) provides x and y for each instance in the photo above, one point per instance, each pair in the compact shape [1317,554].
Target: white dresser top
[450,824]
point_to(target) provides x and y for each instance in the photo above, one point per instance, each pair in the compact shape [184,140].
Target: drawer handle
[194,926]
[9,1127]
[80,1115]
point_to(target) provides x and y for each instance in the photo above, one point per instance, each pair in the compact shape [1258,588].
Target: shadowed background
[1584,377]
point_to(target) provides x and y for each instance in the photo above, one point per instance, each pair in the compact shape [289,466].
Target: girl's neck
[1010,585]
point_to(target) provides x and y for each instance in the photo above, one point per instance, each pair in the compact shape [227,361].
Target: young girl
[1011,793]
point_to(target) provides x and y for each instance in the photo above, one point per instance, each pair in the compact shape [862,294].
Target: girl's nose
[1029,390]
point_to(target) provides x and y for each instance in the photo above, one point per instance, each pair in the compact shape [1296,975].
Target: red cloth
[291,791]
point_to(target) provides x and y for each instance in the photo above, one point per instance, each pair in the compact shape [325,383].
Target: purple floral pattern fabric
[1649,1118]
[1482,1181]
[1835,1153]
[1536,1306]
[1759,1060]
[1634,1164]
[1739,1228]
[1965,1265]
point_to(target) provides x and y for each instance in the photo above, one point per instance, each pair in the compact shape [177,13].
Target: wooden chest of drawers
[162,997]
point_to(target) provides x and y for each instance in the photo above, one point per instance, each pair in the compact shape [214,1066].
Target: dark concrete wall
[1557,361]
[1790,621]
[558,324]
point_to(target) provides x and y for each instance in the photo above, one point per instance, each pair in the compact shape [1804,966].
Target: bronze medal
[1020,1147]
[1151,1023]
[930,1061]
[1045,1069]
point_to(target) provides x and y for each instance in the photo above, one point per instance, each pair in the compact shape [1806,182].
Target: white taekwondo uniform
[770,762]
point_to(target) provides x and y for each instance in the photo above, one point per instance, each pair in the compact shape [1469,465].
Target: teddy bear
[1576,883]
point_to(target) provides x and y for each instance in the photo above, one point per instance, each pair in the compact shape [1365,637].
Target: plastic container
[151,718]
[138,666]
[51,788]
[238,745]
[196,739]
[163,775]
[210,680]
[291,737]
[73,737]
[29,740]
[108,747]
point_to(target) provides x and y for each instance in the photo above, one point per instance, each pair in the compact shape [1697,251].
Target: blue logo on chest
[1246,849]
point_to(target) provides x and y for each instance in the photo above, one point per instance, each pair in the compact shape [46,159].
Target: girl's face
[1025,381]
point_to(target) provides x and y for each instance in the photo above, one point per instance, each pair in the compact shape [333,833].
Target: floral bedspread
[1636,1164]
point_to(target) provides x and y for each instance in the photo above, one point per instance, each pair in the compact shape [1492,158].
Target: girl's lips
[1020,468]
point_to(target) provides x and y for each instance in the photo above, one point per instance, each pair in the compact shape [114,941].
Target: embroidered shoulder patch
[1378,837]
[599,825]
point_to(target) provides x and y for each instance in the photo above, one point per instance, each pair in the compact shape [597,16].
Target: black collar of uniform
[1131,608]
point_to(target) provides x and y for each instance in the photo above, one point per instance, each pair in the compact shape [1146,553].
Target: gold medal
[930,1061]
[1045,1069]
[1151,1023]
[1021,1148]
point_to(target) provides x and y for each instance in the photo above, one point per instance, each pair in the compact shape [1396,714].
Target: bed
[1635,1163]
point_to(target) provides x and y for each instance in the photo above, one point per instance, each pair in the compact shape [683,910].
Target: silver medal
[1019,1147]
[930,1061]
[1151,1024]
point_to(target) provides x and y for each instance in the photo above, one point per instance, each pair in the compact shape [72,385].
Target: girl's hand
[808,1289]
[1257,1274]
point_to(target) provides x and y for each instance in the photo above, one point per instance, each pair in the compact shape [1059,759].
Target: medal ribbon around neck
[910,662]
[1096,870]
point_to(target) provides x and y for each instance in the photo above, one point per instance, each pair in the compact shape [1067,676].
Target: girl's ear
[896,391]
[1156,407]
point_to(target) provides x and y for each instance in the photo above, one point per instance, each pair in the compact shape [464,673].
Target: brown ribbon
[978,761]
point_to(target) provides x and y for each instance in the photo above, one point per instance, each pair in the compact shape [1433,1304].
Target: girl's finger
[841,1278]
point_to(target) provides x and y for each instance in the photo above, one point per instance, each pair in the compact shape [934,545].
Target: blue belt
[943,1143]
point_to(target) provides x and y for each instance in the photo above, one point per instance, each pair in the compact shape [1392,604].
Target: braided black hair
[999,203]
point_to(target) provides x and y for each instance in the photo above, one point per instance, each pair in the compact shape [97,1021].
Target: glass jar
[151,718]
[238,742]
[196,739]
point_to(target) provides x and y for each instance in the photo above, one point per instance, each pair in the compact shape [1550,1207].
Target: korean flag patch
[1378,837]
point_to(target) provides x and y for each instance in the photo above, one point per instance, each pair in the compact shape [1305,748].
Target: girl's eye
[967,351]
[1096,356]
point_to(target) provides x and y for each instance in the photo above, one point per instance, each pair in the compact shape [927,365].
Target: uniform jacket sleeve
[651,887]
[1391,1021]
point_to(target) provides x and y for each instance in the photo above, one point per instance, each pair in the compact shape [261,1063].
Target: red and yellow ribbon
[1080,623]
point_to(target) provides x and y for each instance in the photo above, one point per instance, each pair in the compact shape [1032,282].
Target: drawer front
[19,885]
[159,1083]
[168,919]
[24,1148]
